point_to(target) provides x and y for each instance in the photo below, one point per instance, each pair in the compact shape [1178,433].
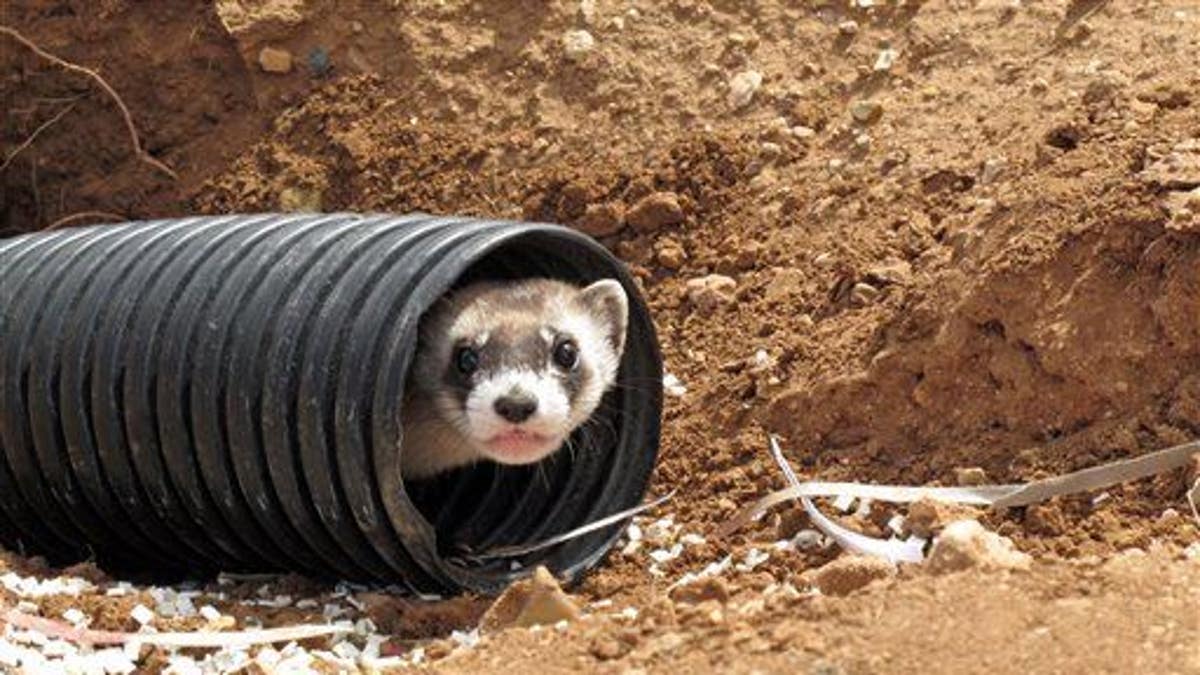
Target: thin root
[84,214]
[33,137]
[133,134]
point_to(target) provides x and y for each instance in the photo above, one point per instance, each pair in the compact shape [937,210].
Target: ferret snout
[516,406]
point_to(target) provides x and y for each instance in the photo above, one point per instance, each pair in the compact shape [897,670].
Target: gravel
[743,86]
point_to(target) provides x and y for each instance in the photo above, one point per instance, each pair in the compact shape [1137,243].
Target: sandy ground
[909,239]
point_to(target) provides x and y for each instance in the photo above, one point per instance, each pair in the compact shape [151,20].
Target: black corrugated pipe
[222,393]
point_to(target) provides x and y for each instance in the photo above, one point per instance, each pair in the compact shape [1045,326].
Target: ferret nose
[516,408]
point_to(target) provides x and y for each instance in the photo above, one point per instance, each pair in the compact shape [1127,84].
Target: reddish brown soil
[1018,210]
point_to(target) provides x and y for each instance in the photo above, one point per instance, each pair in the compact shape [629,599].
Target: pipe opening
[603,469]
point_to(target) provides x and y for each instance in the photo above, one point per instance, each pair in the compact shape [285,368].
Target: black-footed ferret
[505,371]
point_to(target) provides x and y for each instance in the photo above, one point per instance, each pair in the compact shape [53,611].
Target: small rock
[670,254]
[866,112]
[536,601]
[965,544]
[850,573]
[970,475]
[655,211]
[743,86]
[319,61]
[1192,552]
[710,612]
[303,200]
[142,614]
[848,28]
[273,60]
[863,294]
[673,387]
[356,26]
[891,271]
[602,220]
[702,590]
[992,169]
[927,517]
[1185,211]
[577,44]
[885,60]
[708,293]
[1178,170]
[607,648]
[803,132]
[587,11]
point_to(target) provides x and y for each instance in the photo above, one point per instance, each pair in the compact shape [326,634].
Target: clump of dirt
[915,241]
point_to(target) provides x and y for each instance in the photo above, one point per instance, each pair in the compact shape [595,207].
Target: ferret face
[515,367]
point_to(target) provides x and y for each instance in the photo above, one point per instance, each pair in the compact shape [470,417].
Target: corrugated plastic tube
[222,393]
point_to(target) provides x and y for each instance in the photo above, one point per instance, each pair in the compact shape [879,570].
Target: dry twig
[94,76]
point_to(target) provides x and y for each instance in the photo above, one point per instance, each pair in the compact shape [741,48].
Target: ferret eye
[566,355]
[466,359]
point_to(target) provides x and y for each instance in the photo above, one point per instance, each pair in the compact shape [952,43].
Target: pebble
[1179,169]
[577,44]
[885,60]
[710,292]
[673,387]
[891,271]
[850,573]
[1192,552]
[848,28]
[965,544]
[587,11]
[300,200]
[709,588]
[992,169]
[602,220]
[743,86]
[536,601]
[803,132]
[970,475]
[75,617]
[274,60]
[928,516]
[142,614]
[655,211]
[671,254]
[319,62]
[863,294]
[866,112]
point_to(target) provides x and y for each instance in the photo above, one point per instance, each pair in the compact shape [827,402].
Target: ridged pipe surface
[222,393]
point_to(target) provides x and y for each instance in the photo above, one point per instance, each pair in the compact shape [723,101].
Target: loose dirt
[914,240]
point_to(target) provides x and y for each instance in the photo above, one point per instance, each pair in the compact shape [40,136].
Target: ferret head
[515,367]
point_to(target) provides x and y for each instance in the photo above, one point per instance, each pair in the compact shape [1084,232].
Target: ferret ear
[607,301]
